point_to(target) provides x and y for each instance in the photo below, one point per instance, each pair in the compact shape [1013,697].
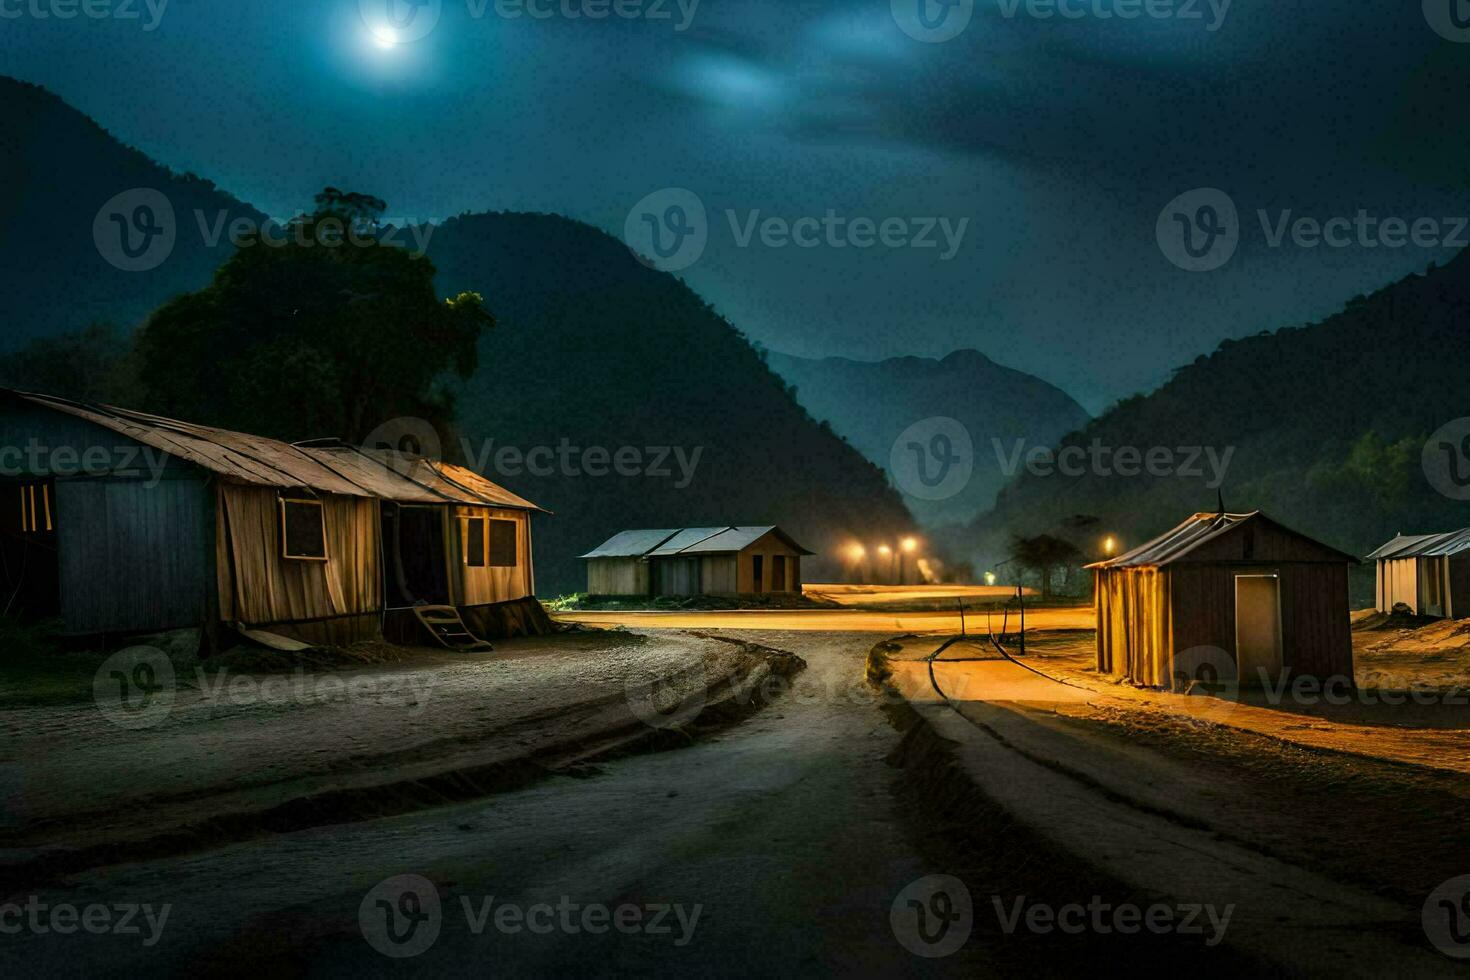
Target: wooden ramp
[444,624]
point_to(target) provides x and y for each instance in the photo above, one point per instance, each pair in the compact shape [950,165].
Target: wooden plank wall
[134,556]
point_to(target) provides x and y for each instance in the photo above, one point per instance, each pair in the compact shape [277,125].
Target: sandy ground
[1341,848]
[831,620]
[235,743]
[1426,727]
[784,831]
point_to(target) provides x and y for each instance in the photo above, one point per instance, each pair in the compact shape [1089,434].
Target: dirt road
[785,833]
[832,620]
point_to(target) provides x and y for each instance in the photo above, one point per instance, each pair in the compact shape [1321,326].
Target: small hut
[1238,597]
[696,561]
[1429,574]
[115,521]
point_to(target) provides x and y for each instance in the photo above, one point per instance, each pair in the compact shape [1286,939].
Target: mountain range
[592,350]
[873,403]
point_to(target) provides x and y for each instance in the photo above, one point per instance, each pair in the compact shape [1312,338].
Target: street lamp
[908,546]
[885,553]
[1110,545]
[857,553]
[989,578]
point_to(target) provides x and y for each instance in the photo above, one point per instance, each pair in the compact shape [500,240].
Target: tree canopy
[325,330]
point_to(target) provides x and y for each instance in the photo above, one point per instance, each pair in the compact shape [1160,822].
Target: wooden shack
[725,560]
[1238,596]
[1425,574]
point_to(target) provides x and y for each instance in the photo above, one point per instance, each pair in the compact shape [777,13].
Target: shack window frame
[284,525]
[515,543]
[472,560]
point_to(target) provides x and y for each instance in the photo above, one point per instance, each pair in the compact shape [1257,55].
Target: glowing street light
[1110,545]
[857,552]
[909,544]
[989,578]
[884,550]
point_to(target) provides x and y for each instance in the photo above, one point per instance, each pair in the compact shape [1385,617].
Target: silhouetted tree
[322,331]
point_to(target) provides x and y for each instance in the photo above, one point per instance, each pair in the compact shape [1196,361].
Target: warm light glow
[1109,545]
[989,578]
[909,544]
[857,552]
[884,550]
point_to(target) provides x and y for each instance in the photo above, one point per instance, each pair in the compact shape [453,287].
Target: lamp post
[908,546]
[857,553]
[885,553]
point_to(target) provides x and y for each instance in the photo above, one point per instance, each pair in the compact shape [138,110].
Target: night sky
[1059,139]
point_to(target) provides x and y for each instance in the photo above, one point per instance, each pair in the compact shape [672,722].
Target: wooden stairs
[446,626]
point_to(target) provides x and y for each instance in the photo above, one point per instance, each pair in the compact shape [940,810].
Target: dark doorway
[778,573]
[758,572]
[29,572]
[414,556]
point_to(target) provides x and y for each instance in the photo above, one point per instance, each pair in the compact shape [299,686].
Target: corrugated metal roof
[246,458]
[1194,532]
[686,538]
[686,541]
[631,544]
[739,538]
[1426,545]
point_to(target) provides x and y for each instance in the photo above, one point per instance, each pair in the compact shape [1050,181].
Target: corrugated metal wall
[617,576]
[134,555]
